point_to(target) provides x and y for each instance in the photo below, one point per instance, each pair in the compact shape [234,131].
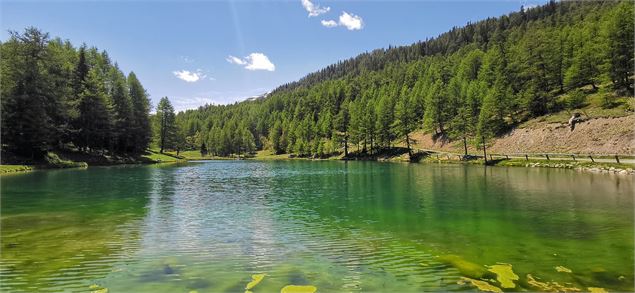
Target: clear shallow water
[340,226]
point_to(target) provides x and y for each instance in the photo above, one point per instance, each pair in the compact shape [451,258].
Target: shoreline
[71,160]
[155,158]
[583,166]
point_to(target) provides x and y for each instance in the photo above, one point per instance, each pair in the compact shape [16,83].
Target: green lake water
[339,226]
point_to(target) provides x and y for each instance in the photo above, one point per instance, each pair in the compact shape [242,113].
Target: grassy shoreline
[4,169]
[69,159]
[596,167]
[55,161]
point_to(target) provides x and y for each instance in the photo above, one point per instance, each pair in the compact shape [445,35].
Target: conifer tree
[166,126]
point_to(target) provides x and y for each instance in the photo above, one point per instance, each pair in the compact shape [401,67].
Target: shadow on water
[62,228]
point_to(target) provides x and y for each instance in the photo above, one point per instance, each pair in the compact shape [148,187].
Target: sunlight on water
[337,226]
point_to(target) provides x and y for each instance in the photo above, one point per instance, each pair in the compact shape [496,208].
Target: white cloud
[255,61]
[329,23]
[351,21]
[190,76]
[235,60]
[314,10]
[186,59]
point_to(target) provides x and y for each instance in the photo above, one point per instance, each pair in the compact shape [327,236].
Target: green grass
[54,161]
[195,155]
[190,155]
[14,168]
[562,164]
[568,164]
[594,107]
[267,155]
[155,156]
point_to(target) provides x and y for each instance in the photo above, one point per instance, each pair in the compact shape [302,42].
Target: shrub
[576,99]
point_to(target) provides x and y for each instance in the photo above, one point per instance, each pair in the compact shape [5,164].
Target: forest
[468,84]
[57,96]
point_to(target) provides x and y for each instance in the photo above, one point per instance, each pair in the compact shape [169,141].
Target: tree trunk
[162,134]
[409,149]
[371,145]
[484,151]
[465,145]
[346,145]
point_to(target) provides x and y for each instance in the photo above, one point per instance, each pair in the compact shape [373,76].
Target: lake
[339,226]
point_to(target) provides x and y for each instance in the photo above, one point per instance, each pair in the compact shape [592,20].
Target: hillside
[600,136]
[474,84]
[603,130]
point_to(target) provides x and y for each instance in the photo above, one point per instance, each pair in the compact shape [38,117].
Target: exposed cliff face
[593,136]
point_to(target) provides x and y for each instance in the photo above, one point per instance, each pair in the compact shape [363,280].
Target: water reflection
[62,228]
[341,226]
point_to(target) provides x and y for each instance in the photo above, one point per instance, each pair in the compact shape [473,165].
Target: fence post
[547,155]
[591,159]
[526,157]
[617,159]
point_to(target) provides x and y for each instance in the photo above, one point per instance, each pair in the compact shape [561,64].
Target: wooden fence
[541,156]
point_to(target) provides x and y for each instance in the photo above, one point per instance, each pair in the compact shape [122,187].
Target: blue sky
[198,52]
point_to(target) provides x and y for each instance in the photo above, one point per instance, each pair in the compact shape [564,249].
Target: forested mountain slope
[469,84]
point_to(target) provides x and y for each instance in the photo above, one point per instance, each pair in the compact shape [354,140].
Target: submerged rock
[255,279]
[549,286]
[562,269]
[504,275]
[168,270]
[466,268]
[298,289]
[481,285]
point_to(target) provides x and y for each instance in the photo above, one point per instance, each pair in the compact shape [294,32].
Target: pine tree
[122,105]
[620,33]
[586,61]
[25,88]
[203,150]
[166,126]
[274,138]
[140,131]
[247,141]
[385,118]
[435,115]
[341,123]
[405,120]
[94,114]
